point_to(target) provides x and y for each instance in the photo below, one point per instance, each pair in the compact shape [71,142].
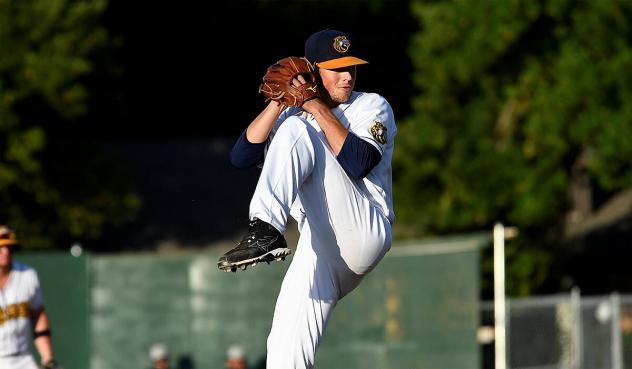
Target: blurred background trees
[522,116]
[53,187]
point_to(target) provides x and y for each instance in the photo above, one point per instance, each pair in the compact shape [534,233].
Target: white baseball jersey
[20,296]
[370,117]
[345,224]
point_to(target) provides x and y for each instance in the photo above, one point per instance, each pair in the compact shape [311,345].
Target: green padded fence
[417,309]
[185,302]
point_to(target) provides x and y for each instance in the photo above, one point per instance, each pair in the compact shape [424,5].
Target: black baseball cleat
[262,243]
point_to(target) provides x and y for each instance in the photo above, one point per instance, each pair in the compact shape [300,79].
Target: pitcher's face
[339,82]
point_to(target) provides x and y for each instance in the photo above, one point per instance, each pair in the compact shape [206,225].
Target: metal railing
[565,331]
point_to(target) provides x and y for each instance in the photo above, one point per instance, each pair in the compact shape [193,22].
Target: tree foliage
[512,96]
[52,188]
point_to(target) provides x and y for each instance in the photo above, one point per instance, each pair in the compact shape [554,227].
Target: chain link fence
[565,331]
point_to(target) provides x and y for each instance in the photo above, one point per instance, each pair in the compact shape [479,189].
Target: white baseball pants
[342,237]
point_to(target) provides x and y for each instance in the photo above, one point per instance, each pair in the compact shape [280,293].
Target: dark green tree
[53,189]
[519,104]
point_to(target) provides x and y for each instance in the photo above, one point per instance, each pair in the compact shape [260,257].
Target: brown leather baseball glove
[277,82]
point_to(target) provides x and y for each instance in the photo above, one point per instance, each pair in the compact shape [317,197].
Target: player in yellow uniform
[22,314]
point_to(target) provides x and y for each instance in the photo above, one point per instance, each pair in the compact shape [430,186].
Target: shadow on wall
[185,362]
[259,364]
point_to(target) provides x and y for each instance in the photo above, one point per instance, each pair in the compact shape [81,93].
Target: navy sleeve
[358,157]
[246,154]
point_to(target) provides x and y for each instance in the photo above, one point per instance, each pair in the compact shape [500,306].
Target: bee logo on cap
[341,44]
[378,131]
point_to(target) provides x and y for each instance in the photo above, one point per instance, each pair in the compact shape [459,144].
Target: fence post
[500,305]
[615,331]
[499,298]
[576,335]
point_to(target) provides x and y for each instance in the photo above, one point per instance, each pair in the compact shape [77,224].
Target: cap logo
[378,131]
[341,44]
[312,89]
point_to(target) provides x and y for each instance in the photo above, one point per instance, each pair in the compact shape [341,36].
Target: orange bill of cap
[345,61]
[8,242]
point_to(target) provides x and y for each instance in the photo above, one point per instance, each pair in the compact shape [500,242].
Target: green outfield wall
[417,309]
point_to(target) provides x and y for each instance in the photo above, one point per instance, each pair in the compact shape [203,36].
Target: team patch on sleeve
[378,131]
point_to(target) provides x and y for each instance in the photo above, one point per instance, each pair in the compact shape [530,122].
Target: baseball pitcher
[325,152]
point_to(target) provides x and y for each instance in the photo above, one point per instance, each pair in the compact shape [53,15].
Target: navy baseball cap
[331,49]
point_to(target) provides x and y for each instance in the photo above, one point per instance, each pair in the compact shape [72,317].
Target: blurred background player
[159,356]
[21,311]
[235,358]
